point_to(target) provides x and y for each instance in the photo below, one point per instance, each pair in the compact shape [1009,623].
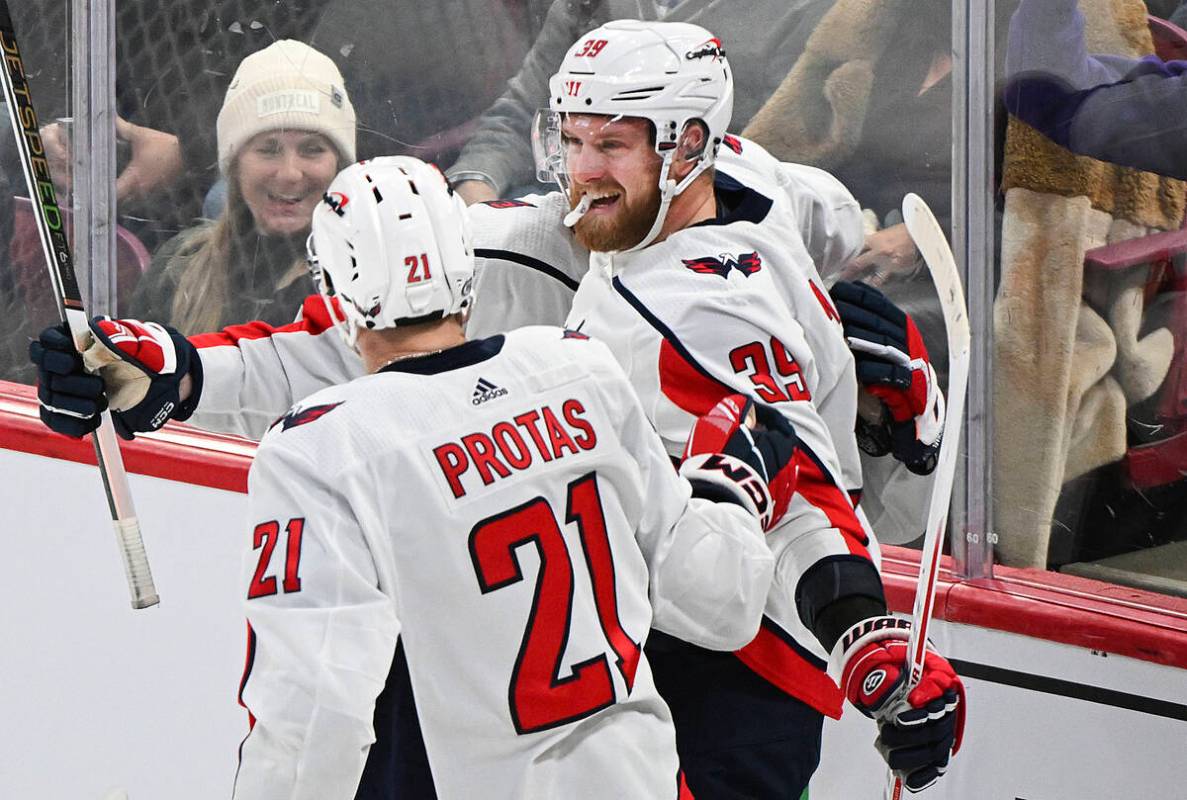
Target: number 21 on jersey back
[539,696]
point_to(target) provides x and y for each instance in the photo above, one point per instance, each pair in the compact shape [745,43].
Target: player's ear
[693,141]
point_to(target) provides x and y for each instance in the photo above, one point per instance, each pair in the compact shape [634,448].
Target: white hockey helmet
[670,73]
[391,244]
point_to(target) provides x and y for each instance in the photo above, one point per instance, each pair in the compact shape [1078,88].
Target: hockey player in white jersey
[500,505]
[528,264]
[702,287]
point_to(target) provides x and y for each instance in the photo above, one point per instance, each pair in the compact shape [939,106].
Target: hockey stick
[61,270]
[937,254]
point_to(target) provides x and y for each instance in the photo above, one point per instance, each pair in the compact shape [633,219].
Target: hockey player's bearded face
[613,161]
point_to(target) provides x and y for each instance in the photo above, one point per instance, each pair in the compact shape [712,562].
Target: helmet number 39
[591,47]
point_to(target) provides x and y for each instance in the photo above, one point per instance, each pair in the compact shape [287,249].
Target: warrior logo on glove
[745,449]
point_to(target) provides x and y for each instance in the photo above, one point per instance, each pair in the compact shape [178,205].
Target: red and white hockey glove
[745,452]
[893,365]
[142,365]
[918,731]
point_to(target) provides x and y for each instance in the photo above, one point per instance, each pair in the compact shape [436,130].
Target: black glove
[893,365]
[71,398]
[140,366]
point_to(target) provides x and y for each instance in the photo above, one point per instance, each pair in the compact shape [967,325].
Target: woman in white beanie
[285,130]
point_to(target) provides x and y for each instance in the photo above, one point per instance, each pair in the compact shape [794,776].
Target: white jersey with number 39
[734,305]
[506,510]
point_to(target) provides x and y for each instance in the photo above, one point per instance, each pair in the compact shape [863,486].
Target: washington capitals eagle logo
[303,416]
[710,48]
[747,264]
[337,201]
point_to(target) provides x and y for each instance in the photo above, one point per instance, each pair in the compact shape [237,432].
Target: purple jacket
[1127,111]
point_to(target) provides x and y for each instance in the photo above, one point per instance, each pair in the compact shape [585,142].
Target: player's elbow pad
[711,588]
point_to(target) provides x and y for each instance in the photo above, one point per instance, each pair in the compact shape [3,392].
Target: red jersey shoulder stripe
[686,386]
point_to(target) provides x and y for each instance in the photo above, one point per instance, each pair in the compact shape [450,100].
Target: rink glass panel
[1082,347]
[419,76]
[26,295]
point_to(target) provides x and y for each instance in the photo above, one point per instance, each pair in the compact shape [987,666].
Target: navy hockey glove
[744,451]
[893,365]
[918,731]
[71,399]
[140,368]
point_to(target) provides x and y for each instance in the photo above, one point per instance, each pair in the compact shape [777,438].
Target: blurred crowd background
[1086,379]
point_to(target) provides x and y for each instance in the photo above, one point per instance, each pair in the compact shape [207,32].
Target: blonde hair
[209,253]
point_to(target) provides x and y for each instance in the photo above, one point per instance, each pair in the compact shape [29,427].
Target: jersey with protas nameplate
[521,550]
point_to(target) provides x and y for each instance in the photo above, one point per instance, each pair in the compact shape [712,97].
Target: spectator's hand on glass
[890,253]
[156,160]
[55,137]
[474,191]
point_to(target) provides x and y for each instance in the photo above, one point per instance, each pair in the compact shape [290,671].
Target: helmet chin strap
[668,189]
[346,329]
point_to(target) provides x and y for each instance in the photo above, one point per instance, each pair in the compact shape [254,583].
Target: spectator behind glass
[1128,111]
[870,101]
[285,129]
[173,63]
[906,141]
[763,39]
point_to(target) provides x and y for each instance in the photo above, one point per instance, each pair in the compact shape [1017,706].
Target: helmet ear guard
[687,150]
[390,244]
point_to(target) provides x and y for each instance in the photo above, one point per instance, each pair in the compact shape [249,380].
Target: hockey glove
[140,367]
[893,365]
[745,452]
[71,399]
[918,731]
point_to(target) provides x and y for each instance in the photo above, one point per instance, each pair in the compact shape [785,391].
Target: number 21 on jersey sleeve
[540,698]
[264,538]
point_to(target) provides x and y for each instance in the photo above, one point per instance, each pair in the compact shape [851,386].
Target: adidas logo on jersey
[485,390]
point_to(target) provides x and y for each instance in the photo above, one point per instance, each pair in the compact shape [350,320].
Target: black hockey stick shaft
[56,248]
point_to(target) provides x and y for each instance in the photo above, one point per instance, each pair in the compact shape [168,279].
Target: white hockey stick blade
[933,245]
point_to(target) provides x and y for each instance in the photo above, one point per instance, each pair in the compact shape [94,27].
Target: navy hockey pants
[739,737]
